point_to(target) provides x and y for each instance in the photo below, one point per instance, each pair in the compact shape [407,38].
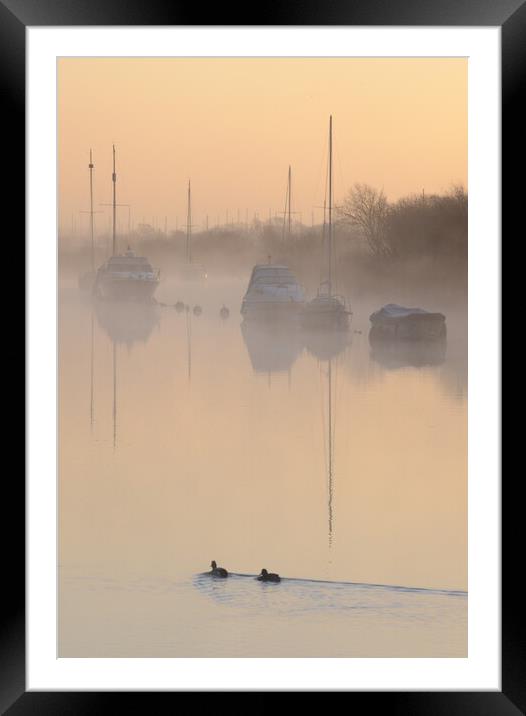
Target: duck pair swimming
[263,577]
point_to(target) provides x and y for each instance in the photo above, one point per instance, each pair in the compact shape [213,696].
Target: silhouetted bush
[415,226]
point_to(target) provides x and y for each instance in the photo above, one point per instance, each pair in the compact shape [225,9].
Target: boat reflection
[393,354]
[272,347]
[124,324]
[326,344]
[127,323]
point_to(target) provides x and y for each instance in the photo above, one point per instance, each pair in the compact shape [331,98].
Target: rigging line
[91,166]
[334,262]
[285,211]
[324,247]
[336,222]
[290,200]
[335,256]
[321,175]
[340,167]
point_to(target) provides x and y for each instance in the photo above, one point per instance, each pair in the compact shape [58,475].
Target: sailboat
[327,310]
[125,277]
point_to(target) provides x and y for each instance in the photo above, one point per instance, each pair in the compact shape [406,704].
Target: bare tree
[367,209]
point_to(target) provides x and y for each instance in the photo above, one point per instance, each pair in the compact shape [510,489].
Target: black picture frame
[15,16]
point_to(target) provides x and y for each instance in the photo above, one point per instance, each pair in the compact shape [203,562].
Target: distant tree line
[414,226]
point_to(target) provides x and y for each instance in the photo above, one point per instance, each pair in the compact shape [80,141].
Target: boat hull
[125,289]
[394,322]
[410,328]
[326,312]
[273,294]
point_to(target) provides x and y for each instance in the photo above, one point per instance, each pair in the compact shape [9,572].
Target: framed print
[263,366]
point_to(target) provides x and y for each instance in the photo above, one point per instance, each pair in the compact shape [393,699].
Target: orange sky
[233,125]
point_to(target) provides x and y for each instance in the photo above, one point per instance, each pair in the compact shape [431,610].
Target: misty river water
[185,438]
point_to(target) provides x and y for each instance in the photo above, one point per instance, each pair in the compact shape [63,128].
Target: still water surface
[187,438]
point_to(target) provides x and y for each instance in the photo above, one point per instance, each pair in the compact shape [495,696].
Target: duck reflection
[127,323]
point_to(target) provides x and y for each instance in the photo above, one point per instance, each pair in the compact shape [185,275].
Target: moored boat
[399,322]
[273,293]
[327,310]
[127,277]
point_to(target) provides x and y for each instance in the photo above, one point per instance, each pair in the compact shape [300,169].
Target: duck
[197,310]
[217,571]
[179,306]
[268,576]
[224,312]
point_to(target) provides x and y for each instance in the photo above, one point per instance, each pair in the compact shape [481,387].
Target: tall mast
[91,210]
[330,205]
[114,180]
[189,227]
[287,212]
[290,192]
[323,230]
